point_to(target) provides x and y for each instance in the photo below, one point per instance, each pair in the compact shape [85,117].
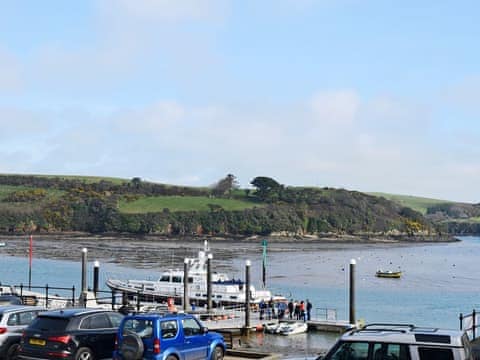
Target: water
[439,280]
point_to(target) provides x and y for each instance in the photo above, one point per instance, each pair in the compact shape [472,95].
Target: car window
[435,354]
[384,351]
[115,318]
[169,329]
[191,327]
[351,351]
[12,320]
[43,323]
[96,321]
[25,318]
[141,327]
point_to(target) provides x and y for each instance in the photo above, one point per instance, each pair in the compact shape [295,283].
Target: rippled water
[439,280]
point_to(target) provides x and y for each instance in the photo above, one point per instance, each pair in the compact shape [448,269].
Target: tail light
[156,346]
[62,339]
[3,330]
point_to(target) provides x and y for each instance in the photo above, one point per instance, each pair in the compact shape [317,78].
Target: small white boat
[2,244]
[286,328]
[293,328]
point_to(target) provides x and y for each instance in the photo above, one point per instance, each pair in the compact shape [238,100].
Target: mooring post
[209,282]
[96,270]
[84,278]
[186,299]
[247,296]
[461,321]
[352,291]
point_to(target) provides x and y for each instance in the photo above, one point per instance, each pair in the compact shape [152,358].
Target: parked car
[400,342]
[13,319]
[168,337]
[71,333]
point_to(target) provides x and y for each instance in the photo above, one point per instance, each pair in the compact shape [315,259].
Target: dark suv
[76,334]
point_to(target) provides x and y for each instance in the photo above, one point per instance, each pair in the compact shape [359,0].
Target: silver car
[13,319]
[401,342]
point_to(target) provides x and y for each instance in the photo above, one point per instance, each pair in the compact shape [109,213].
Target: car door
[97,333]
[196,342]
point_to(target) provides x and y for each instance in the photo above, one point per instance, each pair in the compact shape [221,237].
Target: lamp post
[209,282]
[186,301]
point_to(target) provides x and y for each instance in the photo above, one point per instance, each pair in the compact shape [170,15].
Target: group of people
[298,310]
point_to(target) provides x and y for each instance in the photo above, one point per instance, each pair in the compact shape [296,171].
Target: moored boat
[170,284]
[388,274]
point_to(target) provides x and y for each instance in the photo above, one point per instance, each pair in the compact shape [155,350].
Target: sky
[367,95]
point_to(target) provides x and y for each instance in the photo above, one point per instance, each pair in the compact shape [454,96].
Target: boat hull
[390,275]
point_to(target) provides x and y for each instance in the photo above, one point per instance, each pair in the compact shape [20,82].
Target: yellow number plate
[37,342]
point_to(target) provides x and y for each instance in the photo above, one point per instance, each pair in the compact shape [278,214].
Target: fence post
[474,325]
[138,301]
[21,290]
[46,296]
[461,321]
[73,295]
[113,299]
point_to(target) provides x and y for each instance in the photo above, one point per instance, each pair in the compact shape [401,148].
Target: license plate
[39,342]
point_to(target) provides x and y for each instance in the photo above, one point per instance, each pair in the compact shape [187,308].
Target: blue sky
[364,95]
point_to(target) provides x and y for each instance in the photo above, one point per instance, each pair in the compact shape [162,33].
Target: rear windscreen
[44,323]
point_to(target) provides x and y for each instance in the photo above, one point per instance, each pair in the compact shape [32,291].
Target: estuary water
[440,280]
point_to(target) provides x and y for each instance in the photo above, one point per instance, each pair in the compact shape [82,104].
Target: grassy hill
[102,204]
[182,203]
[417,203]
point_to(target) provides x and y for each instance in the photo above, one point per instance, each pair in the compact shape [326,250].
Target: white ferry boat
[225,291]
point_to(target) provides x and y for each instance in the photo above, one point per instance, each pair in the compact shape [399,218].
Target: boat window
[176,279]
[190,280]
[219,296]
[165,278]
[233,297]
[198,295]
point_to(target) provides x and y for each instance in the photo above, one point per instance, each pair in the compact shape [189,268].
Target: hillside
[31,203]
[449,216]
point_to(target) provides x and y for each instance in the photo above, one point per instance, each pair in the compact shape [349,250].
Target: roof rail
[399,328]
[388,325]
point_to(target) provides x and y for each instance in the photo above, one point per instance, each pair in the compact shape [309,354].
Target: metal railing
[469,323]
[325,314]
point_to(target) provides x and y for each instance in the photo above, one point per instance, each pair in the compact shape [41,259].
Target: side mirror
[204,330]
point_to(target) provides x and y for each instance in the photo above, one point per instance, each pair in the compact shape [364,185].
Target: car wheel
[131,347]
[84,353]
[171,357]
[12,352]
[217,353]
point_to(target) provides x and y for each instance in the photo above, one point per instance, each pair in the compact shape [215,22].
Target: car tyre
[172,357]
[84,353]
[217,353]
[131,347]
[12,352]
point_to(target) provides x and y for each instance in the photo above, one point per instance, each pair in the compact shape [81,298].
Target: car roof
[71,312]
[166,316]
[11,308]
[405,334]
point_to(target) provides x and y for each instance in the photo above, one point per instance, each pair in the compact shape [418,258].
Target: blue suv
[167,337]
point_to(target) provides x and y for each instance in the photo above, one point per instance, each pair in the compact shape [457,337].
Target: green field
[417,203]
[181,203]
